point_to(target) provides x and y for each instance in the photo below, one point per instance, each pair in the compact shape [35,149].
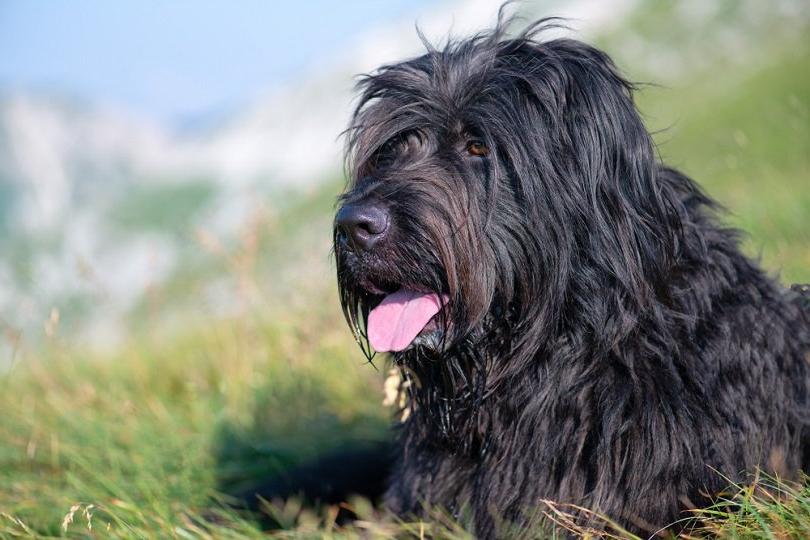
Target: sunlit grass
[149,436]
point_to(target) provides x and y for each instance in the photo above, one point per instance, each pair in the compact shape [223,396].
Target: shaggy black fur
[606,343]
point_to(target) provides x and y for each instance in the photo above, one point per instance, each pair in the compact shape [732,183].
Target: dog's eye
[477,148]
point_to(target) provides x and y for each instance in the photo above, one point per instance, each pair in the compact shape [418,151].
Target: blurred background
[168,172]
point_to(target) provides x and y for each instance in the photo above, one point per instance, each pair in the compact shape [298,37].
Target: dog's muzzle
[363,225]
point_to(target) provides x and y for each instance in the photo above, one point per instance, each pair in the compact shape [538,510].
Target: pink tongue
[399,318]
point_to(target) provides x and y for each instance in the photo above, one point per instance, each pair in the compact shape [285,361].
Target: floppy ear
[629,215]
[603,224]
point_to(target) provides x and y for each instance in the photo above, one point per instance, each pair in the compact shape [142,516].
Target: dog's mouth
[404,319]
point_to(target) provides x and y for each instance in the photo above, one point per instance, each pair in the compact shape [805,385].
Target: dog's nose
[363,225]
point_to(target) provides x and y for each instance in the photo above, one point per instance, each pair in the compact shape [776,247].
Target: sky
[178,59]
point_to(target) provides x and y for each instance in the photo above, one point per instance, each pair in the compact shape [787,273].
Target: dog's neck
[451,394]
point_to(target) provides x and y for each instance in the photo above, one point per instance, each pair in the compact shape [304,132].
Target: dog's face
[484,179]
[407,240]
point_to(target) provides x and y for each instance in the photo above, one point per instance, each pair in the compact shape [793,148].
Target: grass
[148,436]
[142,441]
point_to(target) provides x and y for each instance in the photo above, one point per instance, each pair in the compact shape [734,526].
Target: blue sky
[176,59]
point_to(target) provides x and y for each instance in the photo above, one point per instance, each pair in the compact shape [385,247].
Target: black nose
[363,225]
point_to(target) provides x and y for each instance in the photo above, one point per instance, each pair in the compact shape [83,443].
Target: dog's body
[643,430]
[573,323]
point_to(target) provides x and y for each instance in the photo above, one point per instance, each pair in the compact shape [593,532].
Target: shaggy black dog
[571,321]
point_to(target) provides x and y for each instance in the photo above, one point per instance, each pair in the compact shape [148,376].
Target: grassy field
[142,442]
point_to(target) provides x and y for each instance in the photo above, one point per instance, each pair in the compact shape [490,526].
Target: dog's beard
[448,384]
[447,364]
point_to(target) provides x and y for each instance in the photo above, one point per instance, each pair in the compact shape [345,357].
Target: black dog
[571,320]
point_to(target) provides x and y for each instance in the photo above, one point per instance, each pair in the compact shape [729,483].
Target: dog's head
[498,185]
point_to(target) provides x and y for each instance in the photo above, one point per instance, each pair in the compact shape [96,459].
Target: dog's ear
[605,159]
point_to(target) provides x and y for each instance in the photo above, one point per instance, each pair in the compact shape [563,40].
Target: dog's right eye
[386,154]
[477,148]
